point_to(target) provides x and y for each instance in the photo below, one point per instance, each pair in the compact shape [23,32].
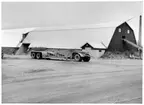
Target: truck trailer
[77,56]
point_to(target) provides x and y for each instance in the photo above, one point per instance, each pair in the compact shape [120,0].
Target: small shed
[94,49]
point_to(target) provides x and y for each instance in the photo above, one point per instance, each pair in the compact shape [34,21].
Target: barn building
[95,38]
[123,31]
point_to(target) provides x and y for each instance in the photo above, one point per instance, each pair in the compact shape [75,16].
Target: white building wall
[95,54]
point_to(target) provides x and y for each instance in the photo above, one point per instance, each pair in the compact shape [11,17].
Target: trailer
[74,56]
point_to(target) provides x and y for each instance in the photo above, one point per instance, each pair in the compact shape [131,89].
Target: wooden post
[140,36]
[140,31]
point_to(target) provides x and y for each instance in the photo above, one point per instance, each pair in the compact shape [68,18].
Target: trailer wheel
[77,58]
[33,55]
[38,55]
[2,56]
[86,59]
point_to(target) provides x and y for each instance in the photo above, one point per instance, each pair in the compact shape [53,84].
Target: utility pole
[140,36]
[140,31]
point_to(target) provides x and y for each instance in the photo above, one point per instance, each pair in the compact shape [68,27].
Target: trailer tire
[38,56]
[86,59]
[2,56]
[77,58]
[33,55]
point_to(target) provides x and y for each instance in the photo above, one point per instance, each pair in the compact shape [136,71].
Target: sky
[19,17]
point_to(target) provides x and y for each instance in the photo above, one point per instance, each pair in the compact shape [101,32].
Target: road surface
[26,80]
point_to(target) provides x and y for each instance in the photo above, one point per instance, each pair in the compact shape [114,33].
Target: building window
[128,31]
[119,30]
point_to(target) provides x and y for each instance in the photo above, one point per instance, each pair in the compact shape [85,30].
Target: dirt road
[46,81]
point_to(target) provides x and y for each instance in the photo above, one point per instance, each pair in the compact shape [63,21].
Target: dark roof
[93,46]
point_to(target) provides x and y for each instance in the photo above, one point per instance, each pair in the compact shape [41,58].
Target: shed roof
[94,45]
[11,37]
[98,32]
[97,45]
[84,26]
[73,38]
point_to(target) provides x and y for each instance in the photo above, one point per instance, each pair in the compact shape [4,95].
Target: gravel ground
[26,80]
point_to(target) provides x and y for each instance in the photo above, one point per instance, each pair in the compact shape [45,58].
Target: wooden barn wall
[116,42]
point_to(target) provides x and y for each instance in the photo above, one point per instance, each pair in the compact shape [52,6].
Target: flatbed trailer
[72,56]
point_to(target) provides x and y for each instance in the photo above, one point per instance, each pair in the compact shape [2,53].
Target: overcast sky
[41,14]
[17,15]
